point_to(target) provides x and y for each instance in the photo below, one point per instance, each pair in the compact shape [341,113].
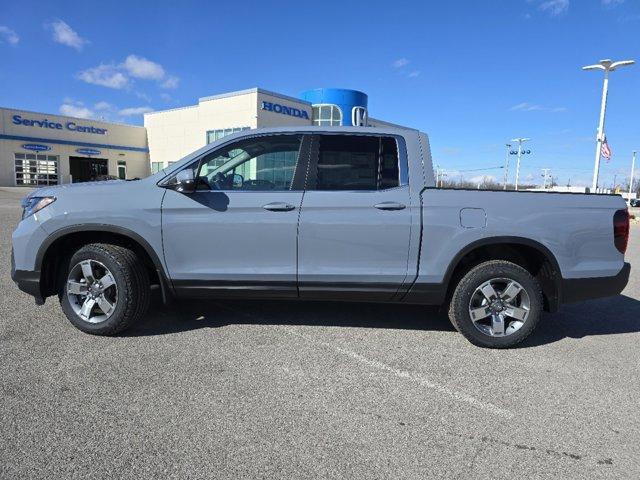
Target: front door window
[258,164]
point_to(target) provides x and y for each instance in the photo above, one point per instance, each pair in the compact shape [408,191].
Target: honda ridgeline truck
[334,213]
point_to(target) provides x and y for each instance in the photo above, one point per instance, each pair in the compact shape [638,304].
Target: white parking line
[414,377]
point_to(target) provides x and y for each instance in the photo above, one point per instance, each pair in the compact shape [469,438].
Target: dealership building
[39,149]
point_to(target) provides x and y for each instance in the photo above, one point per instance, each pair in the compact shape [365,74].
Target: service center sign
[46,123]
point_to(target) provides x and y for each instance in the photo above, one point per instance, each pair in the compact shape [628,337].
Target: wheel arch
[58,245]
[530,254]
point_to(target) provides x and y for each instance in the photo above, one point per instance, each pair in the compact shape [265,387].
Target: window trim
[403,162]
[315,121]
[299,174]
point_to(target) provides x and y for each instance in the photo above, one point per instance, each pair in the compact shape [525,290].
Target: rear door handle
[279,207]
[390,206]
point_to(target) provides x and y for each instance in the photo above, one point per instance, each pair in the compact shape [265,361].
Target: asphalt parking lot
[311,390]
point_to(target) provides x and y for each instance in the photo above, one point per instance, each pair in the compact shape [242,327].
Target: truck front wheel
[105,289]
[497,304]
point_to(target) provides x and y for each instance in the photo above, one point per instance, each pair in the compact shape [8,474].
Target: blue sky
[471,73]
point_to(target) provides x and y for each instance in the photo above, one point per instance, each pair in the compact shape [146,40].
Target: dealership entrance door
[87,169]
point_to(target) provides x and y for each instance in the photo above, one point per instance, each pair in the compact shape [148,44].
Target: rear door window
[356,162]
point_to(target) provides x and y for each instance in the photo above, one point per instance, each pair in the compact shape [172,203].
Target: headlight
[31,205]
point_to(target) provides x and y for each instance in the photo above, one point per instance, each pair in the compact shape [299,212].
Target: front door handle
[278,207]
[390,206]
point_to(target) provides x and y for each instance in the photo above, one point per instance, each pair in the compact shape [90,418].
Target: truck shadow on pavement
[610,316]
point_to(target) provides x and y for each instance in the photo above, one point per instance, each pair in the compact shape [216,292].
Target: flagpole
[633,164]
[607,66]
[600,137]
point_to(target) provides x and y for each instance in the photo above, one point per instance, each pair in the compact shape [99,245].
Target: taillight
[621,230]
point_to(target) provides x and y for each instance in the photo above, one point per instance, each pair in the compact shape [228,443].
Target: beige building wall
[118,142]
[176,133]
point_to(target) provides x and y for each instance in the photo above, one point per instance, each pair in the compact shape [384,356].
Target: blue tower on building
[337,106]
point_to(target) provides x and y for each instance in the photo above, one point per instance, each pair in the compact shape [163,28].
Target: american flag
[605,151]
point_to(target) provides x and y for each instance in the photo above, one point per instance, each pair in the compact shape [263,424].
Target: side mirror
[185,182]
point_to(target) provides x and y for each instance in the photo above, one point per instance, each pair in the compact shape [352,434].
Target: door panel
[227,243]
[236,235]
[356,219]
[348,245]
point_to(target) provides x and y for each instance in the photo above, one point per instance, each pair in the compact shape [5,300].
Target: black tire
[131,280]
[460,303]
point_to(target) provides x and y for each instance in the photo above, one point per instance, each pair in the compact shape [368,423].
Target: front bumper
[27,281]
[579,289]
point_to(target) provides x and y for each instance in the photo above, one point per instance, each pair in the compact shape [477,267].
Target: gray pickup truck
[318,213]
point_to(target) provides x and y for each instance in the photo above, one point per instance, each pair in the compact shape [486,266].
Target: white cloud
[143,96]
[127,112]
[400,65]
[103,106]
[555,8]
[532,107]
[612,3]
[65,35]
[166,97]
[8,35]
[401,62]
[121,75]
[72,108]
[140,67]
[101,110]
[170,82]
[106,76]
[526,107]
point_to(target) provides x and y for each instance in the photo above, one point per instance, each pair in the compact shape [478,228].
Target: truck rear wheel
[497,304]
[105,289]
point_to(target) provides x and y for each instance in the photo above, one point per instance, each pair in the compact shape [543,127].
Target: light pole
[545,175]
[520,142]
[506,166]
[607,66]
[633,164]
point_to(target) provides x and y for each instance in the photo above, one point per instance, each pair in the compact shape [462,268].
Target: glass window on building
[350,162]
[327,115]
[36,169]
[213,135]
[262,163]
[156,167]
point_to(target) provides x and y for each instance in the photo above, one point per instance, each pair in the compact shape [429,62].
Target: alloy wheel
[499,307]
[92,291]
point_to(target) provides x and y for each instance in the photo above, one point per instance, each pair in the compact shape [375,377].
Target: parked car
[635,202]
[336,213]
